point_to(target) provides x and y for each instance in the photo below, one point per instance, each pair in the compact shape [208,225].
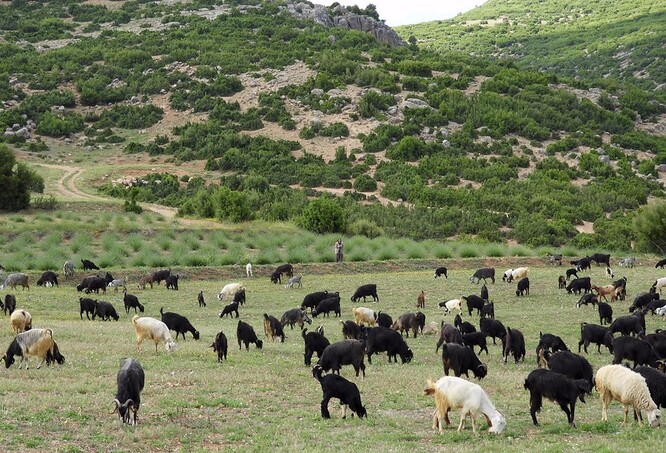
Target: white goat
[453,392]
[248,270]
[230,290]
[151,329]
[295,280]
[450,305]
[36,342]
[658,284]
[20,321]
[364,316]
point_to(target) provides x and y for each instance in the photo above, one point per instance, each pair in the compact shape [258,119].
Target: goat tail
[266,316]
[430,388]
[303,332]
[49,333]
[161,310]
[317,371]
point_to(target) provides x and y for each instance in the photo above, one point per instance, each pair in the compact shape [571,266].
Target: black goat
[476,339]
[311,300]
[178,323]
[314,342]
[10,304]
[605,313]
[345,352]
[335,386]
[572,365]
[523,287]
[49,277]
[592,333]
[385,320]
[461,360]
[171,282]
[365,291]
[656,382]
[513,343]
[89,265]
[88,305]
[630,348]
[474,302]
[220,346]
[131,380]
[230,310]
[131,301]
[492,328]
[463,326]
[245,334]
[448,334]
[200,299]
[105,311]
[381,339]
[352,331]
[557,388]
[627,325]
[441,271]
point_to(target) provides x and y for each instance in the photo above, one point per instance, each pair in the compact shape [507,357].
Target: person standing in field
[339,247]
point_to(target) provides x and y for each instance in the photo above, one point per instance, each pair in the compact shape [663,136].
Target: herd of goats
[562,377]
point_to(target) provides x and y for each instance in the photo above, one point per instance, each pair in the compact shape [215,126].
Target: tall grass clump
[196,260]
[495,250]
[81,243]
[50,260]
[440,251]
[219,239]
[111,258]
[386,253]
[20,242]
[519,250]
[358,254]
[299,254]
[110,241]
[468,252]
[570,251]
[142,259]
[415,251]
[135,242]
[271,256]
[51,240]
[157,260]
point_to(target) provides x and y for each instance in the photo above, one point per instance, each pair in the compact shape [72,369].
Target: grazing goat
[314,342]
[557,388]
[456,393]
[295,316]
[334,386]
[151,329]
[476,339]
[627,325]
[587,299]
[131,301]
[88,305]
[230,310]
[561,282]
[171,282]
[630,348]
[420,300]
[37,343]
[572,365]
[385,320]
[220,346]
[592,333]
[484,292]
[515,274]
[578,285]
[656,286]
[130,380]
[448,334]
[483,273]
[230,290]
[10,304]
[117,283]
[20,321]
[89,265]
[295,280]
[200,299]
[461,360]
[628,262]
[48,278]
[474,302]
[145,280]
[450,305]
[245,334]
[615,382]
[381,339]
[492,328]
[551,342]
[605,313]
[656,382]
[330,304]
[571,272]
[179,324]
[488,310]
[609,272]
[105,311]
[601,258]
[407,322]
[603,291]
[513,343]
[273,328]
[364,316]
[312,300]
[68,269]
[660,264]
[352,331]
[13,280]
[554,259]
[441,271]
[523,287]
[463,326]
[365,291]
[288,269]
[345,352]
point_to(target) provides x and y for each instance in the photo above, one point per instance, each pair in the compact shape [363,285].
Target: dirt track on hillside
[67,188]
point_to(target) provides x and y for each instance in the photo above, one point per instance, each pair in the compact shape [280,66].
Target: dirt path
[66,188]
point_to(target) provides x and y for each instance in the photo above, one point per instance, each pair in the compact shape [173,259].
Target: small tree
[650,227]
[16,182]
[323,215]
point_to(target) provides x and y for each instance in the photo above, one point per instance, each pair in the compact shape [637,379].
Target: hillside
[241,111]
[588,39]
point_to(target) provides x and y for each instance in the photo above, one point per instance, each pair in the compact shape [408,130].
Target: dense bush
[17,181]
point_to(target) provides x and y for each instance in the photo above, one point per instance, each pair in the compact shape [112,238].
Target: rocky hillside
[261,110]
[579,38]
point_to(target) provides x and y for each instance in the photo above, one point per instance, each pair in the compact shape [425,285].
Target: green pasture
[261,400]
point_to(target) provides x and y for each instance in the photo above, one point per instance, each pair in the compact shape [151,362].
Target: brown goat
[420,301]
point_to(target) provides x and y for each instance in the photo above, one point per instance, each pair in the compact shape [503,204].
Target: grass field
[262,400]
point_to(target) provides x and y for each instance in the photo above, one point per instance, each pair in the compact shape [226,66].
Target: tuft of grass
[386,253]
[519,251]
[495,251]
[468,252]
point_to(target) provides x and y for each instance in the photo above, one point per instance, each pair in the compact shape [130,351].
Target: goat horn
[117,404]
[128,402]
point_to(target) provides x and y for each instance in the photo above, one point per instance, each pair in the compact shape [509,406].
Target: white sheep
[514,274]
[151,329]
[658,284]
[449,305]
[230,290]
[20,321]
[453,392]
[365,316]
[629,388]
